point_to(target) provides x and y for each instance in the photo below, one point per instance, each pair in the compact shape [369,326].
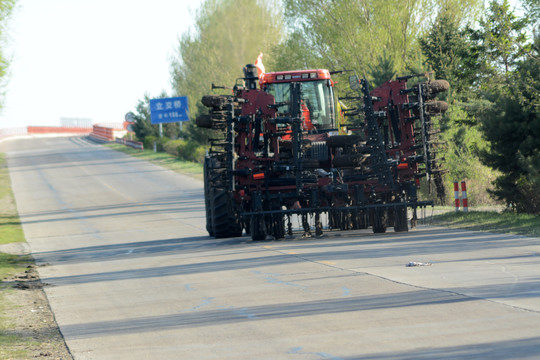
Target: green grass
[163,159]
[12,345]
[10,225]
[5,183]
[11,264]
[491,221]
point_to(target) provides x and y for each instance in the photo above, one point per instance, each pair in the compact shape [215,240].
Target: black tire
[224,221]
[278,226]
[437,86]
[204,121]
[207,204]
[400,219]
[436,107]
[379,221]
[344,140]
[214,101]
[257,228]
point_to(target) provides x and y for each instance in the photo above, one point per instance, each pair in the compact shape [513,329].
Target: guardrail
[134,144]
[4,133]
[103,132]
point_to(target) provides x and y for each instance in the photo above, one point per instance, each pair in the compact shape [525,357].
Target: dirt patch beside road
[28,328]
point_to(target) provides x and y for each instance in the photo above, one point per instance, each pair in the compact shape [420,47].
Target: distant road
[132,274]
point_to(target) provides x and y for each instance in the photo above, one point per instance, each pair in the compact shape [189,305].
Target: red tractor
[282,150]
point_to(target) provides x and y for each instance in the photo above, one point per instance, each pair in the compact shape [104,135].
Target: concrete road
[132,274]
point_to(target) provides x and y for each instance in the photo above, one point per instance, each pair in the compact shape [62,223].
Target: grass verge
[491,221]
[10,225]
[163,159]
[12,346]
[10,231]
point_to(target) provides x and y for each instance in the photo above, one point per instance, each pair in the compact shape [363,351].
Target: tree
[512,127]
[363,35]
[228,35]
[6,8]
[449,52]
[501,38]
[143,128]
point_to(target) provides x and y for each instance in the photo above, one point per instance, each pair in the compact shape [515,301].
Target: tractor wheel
[436,107]
[277,229]
[215,101]
[437,86]
[257,228]
[400,219]
[379,221]
[204,121]
[344,140]
[207,204]
[224,222]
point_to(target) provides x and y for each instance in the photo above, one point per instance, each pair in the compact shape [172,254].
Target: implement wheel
[380,217]
[400,219]
[257,227]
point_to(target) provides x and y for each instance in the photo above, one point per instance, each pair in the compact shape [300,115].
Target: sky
[89,58]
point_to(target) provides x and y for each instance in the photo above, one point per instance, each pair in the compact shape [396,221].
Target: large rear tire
[207,205]
[224,221]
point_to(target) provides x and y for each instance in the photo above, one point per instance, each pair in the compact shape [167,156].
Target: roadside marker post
[456,195]
[465,202]
[461,199]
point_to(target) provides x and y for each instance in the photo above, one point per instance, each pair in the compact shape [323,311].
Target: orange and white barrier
[461,200]
[464,200]
[33,130]
[105,133]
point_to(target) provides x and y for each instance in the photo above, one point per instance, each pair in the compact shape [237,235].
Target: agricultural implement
[292,148]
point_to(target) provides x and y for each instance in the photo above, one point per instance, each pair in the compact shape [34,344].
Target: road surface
[132,274]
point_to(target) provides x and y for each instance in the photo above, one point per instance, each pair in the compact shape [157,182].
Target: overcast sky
[90,58]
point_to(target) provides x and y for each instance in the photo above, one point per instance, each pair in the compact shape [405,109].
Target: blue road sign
[168,110]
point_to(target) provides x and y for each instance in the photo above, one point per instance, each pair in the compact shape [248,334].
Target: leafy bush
[199,154]
[149,141]
[171,147]
[160,142]
[186,150]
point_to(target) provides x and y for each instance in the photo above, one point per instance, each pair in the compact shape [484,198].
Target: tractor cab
[317,96]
